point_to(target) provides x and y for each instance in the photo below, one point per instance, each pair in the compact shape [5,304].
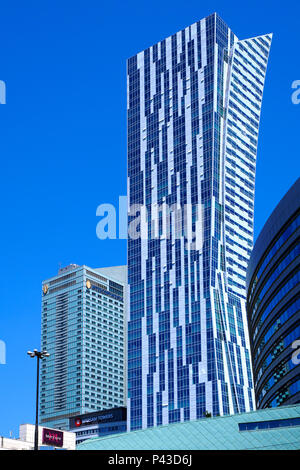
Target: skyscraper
[273,305]
[194,103]
[84,330]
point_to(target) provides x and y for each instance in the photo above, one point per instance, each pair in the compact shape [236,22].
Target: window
[276,423]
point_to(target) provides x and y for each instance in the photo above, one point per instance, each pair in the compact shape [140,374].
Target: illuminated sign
[93,419]
[98,418]
[53,438]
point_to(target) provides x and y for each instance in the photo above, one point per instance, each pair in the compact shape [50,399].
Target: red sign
[53,438]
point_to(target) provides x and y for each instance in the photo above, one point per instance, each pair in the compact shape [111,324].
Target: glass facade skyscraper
[84,330]
[194,102]
[273,305]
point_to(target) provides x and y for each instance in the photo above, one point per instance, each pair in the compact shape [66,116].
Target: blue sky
[63,142]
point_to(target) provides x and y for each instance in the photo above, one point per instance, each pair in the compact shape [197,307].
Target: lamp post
[39,355]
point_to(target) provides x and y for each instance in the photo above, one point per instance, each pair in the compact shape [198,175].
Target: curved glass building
[273,305]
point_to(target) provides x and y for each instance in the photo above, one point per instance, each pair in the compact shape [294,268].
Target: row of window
[273,424]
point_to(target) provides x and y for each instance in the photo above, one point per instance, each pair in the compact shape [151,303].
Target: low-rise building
[267,429]
[49,438]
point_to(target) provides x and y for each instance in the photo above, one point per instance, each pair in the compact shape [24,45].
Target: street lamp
[39,355]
